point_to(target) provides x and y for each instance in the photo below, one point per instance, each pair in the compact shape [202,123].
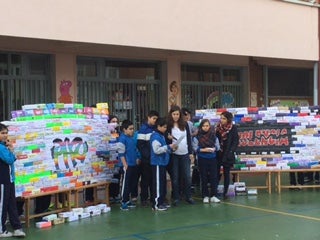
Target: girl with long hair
[206,145]
[181,158]
[227,134]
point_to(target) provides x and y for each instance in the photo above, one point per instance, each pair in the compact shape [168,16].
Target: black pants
[135,183]
[311,177]
[42,204]
[208,174]
[89,194]
[8,206]
[293,180]
[226,176]
[146,181]
[169,169]
[20,206]
[129,178]
[114,188]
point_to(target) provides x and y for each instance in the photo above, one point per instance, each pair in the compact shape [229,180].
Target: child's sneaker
[51,207]
[160,208]
[206,200]
[124,207]
[19,233]
[131,205]
[117,199]
[214,199]
[167,205]
[5,234]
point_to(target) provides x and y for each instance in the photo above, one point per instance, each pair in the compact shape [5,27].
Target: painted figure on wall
[174,92]
[65,96]
[227,99]
[212,100]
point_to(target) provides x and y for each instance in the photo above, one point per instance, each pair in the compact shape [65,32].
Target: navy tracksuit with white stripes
[8,205]
[159,160]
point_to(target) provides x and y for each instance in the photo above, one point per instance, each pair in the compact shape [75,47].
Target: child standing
[227,134]
[206,144]
[128,156]
[159,160]
[144,146]
[182,157]
[8,205]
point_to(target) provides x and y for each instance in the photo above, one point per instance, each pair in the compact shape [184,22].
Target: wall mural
[174,93]
[64,88]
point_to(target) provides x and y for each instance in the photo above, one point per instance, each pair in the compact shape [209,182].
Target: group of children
[158,159]
[168,145]
[161,145]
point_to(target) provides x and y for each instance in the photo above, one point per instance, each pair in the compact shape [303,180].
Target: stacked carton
[291,136]
[60,146]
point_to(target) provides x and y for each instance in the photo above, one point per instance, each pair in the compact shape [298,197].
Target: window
[24,79]
[131,70]
[87,69]
[38,65]
[130,88]
[231,75]
[290,82]
[200,73]
[210,86]
[4,64]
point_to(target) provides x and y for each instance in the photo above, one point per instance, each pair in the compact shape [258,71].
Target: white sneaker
[206,200]
[214,199]
[19,233]
[5,234]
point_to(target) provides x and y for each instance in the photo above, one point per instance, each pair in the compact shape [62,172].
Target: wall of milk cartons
[61,146]
[274,137]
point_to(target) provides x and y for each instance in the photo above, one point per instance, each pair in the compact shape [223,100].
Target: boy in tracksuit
[143,145]
[129,157]
[160,154]
[8,204]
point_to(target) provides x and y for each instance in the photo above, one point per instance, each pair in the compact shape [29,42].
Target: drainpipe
[311,3]
[316,67]
[316,81]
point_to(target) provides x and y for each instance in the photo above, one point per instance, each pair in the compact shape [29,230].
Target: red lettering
[246,135]
[284,131]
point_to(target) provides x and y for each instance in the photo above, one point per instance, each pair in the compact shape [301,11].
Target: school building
[139,55]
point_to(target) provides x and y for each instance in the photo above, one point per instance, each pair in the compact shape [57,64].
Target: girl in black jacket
[227,134]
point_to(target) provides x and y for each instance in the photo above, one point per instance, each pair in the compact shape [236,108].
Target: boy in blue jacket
[8,205]
[129,157]
[144,148]
[160,154]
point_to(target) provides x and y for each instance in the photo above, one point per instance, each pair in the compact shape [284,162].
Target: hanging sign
[264,138]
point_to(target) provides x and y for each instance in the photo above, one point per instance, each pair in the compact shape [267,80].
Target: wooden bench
[67,195]
[266,173]
[66,206]
[279,185]
[96,187]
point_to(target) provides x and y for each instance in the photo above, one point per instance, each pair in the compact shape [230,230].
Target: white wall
[267,28]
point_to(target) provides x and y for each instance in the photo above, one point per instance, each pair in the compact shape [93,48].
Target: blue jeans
[181,176]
